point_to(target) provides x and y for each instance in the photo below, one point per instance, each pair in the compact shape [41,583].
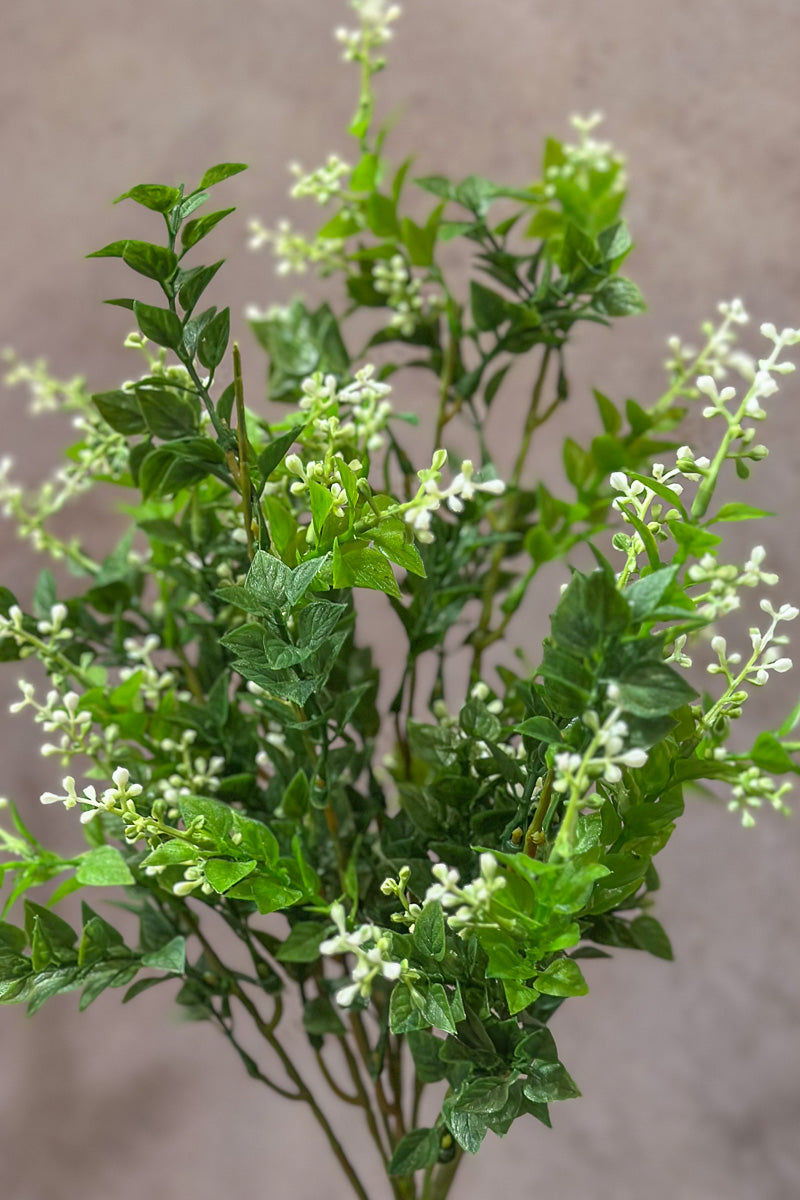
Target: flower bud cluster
[750,792]
[192,774]
[118,799]
[370,963]
[376,18]
[603,759]
[140,653]
[292,251]
[764,657]
[588,156]
[417,513]
[354,416]
[46,393]
[719,354]
[723,580]
[472,902]
[321,184]
[47,642]
[394,280]
[62,715]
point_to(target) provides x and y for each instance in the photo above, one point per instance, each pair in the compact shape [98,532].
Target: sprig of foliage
[438,901]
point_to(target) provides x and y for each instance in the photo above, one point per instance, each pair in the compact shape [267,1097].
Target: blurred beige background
[690,1071]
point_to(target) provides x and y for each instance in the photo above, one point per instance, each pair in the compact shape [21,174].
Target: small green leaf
[155,196]
[195,230]
[104,867]
[768,754]
[221,171]
[302,944]
[649,935]
[562,978]
[159,325]
[381,216]
[429,936]
[549,1081]
[156,262]
[415,1151]
[120,409]
[195,283]
[740,512]
[489,309]
[222,874]
[355,564]
[619,297]
[213,341]
[171,957]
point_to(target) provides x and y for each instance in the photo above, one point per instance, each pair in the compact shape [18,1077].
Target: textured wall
[689,1070]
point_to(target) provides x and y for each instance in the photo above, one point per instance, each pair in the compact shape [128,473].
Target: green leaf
[419,242]
[415,1151]
[650,936]
[104,867]
[159,325]
[213,341]
[268,579]
[223,875]
[321,503]
[541,728]
[381,216]
[652,689]
[619,297]
[155,196]
[740,512]
[428,1065]
[356,564]
[156,262]
[275,451]
[489,309]
[562,978]
[195,230]
[302,577]
[405,1014]
[429,936]
[302,944]
[645,595]
[120,409]
[320,1017]
[221,171]
[365,175]
[195,283]
[171,957]
[768,754]
[437,185]
[112,250]
[549,1081]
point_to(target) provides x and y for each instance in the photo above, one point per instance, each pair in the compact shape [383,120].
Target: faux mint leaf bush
[212,709]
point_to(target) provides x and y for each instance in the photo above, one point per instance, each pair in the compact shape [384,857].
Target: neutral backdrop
[689,1070]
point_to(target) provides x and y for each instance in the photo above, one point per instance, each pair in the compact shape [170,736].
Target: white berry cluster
[418,512]
[293,252]
[376,18]
[370,963]
[321,184]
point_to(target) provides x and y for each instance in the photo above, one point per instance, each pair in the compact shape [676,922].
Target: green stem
[245,486]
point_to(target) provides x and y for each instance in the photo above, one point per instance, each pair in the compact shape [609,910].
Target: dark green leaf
[195,230]
[221,171]
[155,196]
[156,262]
[213,341]
[415,1151]
[159,325]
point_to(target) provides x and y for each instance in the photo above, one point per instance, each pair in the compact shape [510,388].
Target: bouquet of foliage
[421,863]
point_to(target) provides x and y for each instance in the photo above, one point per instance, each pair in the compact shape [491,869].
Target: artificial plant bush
[422,876]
